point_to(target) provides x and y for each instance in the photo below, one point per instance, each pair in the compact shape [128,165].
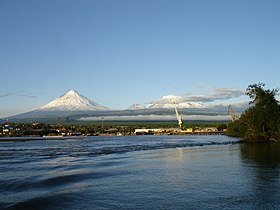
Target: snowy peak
[71,92]
[169,100]
[136,106]
[72,101]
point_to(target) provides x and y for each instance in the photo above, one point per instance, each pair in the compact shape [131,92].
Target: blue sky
[133,51]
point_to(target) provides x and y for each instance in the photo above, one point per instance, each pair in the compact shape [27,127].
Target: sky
[122,52]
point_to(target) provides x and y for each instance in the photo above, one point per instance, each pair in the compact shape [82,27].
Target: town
[56,129]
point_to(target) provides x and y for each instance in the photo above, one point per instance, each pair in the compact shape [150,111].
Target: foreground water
[139,172]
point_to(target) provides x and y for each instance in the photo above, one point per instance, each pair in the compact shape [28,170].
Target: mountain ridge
[72,101]
[169,102]
[72,104]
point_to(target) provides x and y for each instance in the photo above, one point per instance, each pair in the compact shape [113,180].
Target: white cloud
[214,94]
[18,93]
[6,94]
[156,118]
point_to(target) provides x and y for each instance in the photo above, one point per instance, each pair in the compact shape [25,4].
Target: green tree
[221,127]
[260,122]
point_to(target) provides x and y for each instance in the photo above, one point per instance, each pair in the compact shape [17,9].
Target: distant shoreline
[3,139]
[34,138]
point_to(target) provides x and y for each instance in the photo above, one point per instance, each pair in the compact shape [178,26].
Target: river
[139,172]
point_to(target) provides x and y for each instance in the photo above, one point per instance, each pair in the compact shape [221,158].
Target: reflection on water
[263,155]
[262,162]
[140,172]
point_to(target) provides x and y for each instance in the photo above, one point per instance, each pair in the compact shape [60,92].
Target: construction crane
[234,116]
[179,118]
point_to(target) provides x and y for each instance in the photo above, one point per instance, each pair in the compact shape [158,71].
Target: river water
[139,172]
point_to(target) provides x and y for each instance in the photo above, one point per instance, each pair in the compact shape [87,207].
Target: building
[7,129]
[147,131]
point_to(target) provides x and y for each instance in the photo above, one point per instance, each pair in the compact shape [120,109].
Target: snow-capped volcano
[169,100]
[136,106]
[72,101]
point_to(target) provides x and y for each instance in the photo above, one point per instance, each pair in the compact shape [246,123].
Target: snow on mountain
[171,98]
[136,106]
[72,101]
[168,102]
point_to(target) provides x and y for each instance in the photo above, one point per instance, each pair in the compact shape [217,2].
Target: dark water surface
[139,172]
